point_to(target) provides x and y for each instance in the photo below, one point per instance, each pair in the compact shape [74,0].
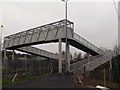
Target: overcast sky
[95,21]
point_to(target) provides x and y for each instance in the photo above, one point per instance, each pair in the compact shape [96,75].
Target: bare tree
[75,55]
[104,49]
[71,56]
[63,54]
[86,55]
[116,63]
[116,49]
[79,56]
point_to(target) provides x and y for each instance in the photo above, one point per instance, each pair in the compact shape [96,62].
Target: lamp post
[66,58]
[1,26]
[1,37]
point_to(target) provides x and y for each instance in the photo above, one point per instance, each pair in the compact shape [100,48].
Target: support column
[110,71]
[60,56]
[5,63]
[25,65]
[4,60]
[39,65]
[4,55]
[13,55]
[68,58]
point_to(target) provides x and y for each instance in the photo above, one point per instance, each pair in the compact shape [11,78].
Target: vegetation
[116,64]
[112,77]
[94,82]
[79,56]
[96,77]
[116,69]
[6,82]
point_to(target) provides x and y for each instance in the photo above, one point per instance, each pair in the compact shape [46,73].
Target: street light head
[1,26]
[64,0]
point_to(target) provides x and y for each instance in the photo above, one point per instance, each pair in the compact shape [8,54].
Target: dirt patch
[94,83]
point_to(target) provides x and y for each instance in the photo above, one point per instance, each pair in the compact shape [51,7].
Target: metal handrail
[43,27]
[107,56]
[87,43]
[83,62]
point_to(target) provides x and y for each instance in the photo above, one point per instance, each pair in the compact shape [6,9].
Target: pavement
[51,81]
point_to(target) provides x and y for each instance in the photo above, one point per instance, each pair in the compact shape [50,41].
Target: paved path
[51,81]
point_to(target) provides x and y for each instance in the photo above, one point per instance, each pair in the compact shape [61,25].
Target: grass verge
[94,83]
[6,82]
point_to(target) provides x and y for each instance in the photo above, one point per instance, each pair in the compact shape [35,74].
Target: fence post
[5,63]
[26,67]
[60,56]
[104,78]
[13,55]
[39,67]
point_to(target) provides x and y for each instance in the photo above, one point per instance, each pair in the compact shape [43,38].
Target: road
[51,81]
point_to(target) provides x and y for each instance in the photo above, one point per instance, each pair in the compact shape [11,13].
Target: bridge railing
[78,64]
[87,43]
[95,59]
[97,62]
[37,34]
[38,29]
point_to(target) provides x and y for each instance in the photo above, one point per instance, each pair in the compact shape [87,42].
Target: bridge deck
[50,33]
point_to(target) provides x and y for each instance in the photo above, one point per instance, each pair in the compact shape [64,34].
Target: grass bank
[6,82]
[94,83]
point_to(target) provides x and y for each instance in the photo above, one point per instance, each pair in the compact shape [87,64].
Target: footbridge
[55,32]
[50,33]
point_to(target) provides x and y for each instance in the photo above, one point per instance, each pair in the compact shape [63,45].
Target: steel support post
[1,59]
[25,67]
[68,57]
[4,60]
[6,63]
[60,56]
[13,55]
[39,59]
[4,54]
[110,71]
[50,64]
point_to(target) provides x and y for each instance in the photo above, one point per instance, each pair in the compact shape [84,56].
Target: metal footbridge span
[53,32]
[50,33]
